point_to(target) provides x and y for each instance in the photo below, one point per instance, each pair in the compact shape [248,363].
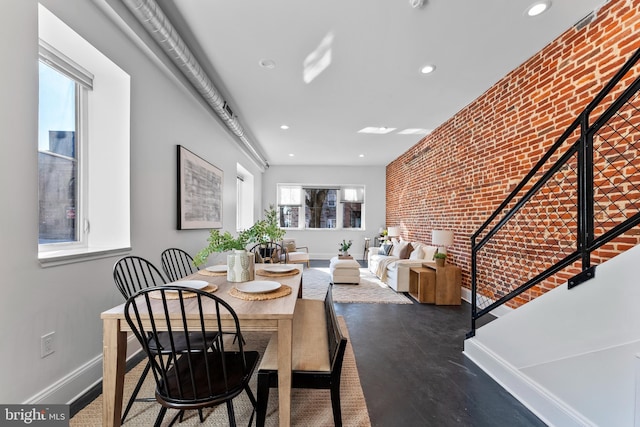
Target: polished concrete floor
[413,372]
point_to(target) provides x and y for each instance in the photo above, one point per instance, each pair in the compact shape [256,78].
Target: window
[320,207]
[352,200]
[245,199]
[337,207]
[61,115]
[83,148]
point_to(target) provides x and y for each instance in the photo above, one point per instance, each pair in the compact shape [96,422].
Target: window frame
[83,80]
[340,190]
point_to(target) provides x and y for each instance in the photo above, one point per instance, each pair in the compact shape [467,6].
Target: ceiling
[377,49]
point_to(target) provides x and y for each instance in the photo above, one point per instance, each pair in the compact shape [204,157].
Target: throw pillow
[408,251]
[417,253]
[401,249]
[429,252]
[385,249]
[289,246]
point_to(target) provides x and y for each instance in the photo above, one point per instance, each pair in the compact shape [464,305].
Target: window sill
[61,257]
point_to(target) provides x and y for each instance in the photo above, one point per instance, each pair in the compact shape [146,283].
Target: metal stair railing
[582,194]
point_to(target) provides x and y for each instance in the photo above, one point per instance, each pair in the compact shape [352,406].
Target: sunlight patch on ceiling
[415,131]
[318,60]
[376,130]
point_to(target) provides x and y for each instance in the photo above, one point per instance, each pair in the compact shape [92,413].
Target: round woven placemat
[212,273]
[284,290]
[211,288]
[266,273]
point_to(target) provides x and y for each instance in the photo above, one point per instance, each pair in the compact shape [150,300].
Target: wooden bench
[318,348]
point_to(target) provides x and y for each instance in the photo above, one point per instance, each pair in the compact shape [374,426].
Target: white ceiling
[373,80]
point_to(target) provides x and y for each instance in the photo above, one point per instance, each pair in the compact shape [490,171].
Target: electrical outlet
[47,344]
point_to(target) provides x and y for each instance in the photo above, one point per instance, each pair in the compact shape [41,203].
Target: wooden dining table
[271,315]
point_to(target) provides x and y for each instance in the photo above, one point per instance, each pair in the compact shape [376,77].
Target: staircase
[569,352]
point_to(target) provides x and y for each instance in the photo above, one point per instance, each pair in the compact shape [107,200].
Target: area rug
[308,407]
[370,290]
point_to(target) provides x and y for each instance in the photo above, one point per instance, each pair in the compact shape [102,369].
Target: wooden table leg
[284,371]
[114,353]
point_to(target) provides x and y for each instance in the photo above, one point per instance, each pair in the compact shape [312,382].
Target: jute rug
[370,290]
[308,407]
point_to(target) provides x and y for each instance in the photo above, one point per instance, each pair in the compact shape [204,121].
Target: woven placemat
[211,288]
[212,273]
[266,273]
[283,291]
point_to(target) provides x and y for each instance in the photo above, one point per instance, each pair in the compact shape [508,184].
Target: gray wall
[323,244]
[68,299]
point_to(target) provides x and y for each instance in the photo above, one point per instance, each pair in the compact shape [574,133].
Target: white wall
[570,355]
[68,299]
[323,244]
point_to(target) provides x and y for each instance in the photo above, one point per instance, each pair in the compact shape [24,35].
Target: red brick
[476,158]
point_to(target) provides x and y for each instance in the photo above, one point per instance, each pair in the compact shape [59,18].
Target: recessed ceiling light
[376,130]
[427,69]
[284,127]
[291,154]
[361,155]
[269,64]
[537,8]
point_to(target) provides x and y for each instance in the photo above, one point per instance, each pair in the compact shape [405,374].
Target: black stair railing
[582,194]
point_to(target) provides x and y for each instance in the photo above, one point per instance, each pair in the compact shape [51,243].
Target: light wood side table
[436,285]
[422,284]
[448,285]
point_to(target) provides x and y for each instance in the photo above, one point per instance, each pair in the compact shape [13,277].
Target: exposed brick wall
[458,175]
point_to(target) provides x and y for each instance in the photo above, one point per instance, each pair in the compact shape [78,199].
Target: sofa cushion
[401,250]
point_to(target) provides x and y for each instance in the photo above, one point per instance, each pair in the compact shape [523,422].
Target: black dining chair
[326,375]
[131,275]
[197,377]
[177,263]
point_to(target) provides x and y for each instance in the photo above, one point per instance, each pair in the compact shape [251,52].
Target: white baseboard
[546,406]
[74,385]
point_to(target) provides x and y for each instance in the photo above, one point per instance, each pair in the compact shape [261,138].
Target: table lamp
[393,232]
[442,239]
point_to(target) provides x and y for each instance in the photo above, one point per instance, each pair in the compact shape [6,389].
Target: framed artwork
[199,192]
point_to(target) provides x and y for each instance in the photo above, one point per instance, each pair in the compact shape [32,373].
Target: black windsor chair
[198,377]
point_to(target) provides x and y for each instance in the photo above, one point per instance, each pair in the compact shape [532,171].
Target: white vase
[240,266]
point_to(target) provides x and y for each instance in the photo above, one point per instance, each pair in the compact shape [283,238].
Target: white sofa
[393,269]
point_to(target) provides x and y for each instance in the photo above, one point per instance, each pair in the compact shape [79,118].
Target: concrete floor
[413,372]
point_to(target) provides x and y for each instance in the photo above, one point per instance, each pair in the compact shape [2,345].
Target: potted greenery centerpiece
[440,258]
[239,262]
[344,247]
[222,242]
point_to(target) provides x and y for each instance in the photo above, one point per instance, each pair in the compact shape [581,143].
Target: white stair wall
[570,355]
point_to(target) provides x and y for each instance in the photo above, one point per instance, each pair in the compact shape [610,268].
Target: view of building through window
[310,207]
[57,157]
